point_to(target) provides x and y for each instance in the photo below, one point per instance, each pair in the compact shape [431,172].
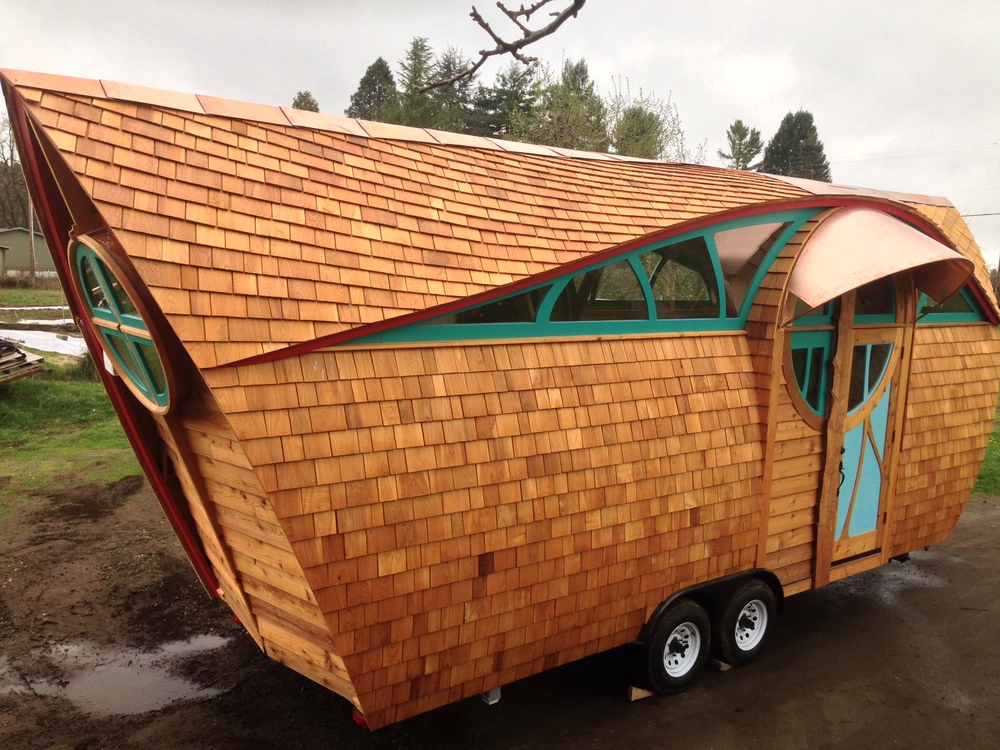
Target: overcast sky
[905,93]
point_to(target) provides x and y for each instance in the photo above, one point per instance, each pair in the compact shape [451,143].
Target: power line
[886,155]
[969,216]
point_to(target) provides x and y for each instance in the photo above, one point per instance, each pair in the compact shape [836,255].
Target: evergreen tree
[416,70]
[647,127]
[452,105]
[744,146]
[796,150]
[376,91]
[513,91]
[305,100]
[569,113]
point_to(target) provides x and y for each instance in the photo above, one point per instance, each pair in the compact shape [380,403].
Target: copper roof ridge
[240,110]
[817,187]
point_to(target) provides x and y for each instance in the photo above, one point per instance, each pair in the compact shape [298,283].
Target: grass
[24,297]
[988,481]
[55,434]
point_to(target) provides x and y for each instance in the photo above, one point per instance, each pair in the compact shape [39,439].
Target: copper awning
[857,245]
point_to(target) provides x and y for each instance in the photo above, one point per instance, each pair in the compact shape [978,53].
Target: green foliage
[647,127]
[796,150]
[57,434]
[514,91]
[526,103]
[410,106]
[744,146]
[569,113]
[26,297]
[988,481]
[305,100]
[452,105]
[376,90]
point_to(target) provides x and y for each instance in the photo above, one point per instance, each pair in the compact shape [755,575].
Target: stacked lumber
[16,364]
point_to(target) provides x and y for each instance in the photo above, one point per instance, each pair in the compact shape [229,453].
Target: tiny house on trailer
[433,412]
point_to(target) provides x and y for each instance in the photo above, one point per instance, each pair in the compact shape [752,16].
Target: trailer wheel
[743,626]
[679,647]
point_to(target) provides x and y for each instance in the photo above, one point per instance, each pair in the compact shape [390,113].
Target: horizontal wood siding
[469,515]
[795,486]
[247,544]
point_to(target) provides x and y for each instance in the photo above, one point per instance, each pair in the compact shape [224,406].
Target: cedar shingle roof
[259,227]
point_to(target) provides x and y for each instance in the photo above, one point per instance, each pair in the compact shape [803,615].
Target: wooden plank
[314,672]
[276,577]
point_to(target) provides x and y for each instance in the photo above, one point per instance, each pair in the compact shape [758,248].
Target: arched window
[120,322]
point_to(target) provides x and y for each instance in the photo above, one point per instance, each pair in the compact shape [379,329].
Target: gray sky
[905,93]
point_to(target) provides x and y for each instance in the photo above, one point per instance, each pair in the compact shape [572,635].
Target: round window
[120,323]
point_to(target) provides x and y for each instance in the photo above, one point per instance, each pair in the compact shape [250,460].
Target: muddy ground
[108,641]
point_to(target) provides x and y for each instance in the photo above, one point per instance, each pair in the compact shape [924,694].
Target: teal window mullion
[545,309]
[647,290]
[720,283]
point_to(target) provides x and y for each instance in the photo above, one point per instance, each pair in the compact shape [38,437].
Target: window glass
[123,353]
[958,307]
[521,308]
[876,298]
[867,368]
[683,280]
[153,366]
[611,292]
[125,335]
[741,253]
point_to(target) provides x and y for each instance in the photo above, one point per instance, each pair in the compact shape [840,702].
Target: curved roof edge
[238,110]
[825,188]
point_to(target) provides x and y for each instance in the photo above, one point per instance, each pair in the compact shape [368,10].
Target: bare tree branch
[503,47]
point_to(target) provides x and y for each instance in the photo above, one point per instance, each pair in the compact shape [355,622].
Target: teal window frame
[433,329]
[121,327]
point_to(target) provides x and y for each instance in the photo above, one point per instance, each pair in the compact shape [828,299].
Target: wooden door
[861,440]
[848,362]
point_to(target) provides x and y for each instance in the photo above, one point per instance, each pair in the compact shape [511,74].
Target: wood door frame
[847,333]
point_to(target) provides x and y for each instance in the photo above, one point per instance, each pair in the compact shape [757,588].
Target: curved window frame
[443,328]
[927,312]
[120,320]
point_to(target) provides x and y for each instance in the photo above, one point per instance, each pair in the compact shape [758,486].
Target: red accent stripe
[56,227]
[342,337]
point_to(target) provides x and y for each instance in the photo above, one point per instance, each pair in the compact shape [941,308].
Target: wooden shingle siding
[949,416]
[465,497]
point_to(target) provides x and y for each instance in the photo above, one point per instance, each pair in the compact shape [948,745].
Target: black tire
[678,647]
[743,626]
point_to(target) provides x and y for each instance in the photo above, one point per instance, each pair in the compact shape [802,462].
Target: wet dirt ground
[108,641]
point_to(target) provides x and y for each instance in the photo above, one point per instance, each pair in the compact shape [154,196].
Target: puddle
[106,681]
[46,341]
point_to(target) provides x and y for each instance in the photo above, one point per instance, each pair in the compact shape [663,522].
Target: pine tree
[416,70]
[514,90]
[376,91]
[744,146]
[796,150]
[305,100]
[452,104]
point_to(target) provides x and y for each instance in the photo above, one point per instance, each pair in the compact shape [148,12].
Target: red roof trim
[833,201]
